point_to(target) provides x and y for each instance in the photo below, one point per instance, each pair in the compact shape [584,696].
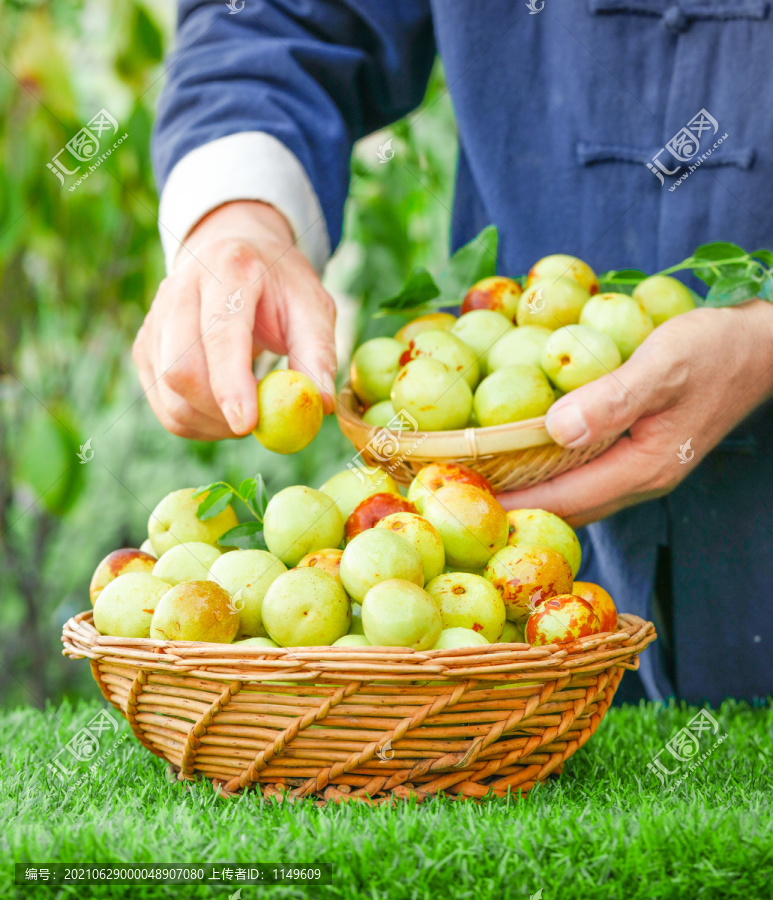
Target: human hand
[694,378]
[195,356]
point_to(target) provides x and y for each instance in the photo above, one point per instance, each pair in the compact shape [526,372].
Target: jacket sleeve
[266,103]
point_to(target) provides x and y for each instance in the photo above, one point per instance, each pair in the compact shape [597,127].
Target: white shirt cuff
[250,165]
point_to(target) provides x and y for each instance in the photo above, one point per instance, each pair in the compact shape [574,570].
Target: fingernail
[566,424]
[234,416]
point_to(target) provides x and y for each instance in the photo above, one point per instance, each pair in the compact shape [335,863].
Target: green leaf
[729,291]
[719,250]
[765,256]
[416,293]
[214,503]
[717,255]
[247,536]
[470,263]
[209,487]
[247,490]
[261,497]
[732,271]
[622,276]
[766,291]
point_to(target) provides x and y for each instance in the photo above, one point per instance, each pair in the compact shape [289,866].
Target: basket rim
[474,442]
[232,661]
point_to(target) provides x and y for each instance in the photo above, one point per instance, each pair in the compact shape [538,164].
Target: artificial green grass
[606,828]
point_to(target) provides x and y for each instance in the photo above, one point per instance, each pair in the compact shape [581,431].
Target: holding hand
[694,378]
[195,349]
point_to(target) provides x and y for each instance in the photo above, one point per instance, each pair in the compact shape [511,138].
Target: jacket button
[675,20]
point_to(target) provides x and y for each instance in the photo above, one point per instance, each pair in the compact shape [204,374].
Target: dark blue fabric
[558,113]
[316,74]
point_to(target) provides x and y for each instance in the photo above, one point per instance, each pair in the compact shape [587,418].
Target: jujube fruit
[289,411]
[526,575]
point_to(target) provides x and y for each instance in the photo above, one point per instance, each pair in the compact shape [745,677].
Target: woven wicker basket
[365,724]
[511,456]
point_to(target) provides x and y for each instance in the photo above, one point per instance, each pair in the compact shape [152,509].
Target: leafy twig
[423,293]
[732,275]
[252,492]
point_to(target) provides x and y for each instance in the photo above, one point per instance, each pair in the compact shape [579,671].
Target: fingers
[174,413]
[607,407]
[208,322]
[310,334]
[623,476]
[172,365]
[226,325]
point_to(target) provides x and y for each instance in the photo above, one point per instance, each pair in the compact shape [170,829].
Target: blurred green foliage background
[78,270]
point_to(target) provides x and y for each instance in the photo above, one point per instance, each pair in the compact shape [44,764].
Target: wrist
[757,344]
[249,220]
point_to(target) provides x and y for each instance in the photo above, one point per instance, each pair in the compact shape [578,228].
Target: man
[564,112]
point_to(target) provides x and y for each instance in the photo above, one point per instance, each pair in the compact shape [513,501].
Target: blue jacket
[573,124]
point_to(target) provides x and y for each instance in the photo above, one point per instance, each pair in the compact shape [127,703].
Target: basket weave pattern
[511,457]
[362,723]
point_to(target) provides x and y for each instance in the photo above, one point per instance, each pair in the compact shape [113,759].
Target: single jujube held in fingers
[289,411]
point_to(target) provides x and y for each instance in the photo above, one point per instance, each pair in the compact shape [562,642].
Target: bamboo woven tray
[513,456]
[368,724]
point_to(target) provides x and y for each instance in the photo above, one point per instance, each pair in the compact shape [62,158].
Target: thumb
[607,407]
[310,336]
